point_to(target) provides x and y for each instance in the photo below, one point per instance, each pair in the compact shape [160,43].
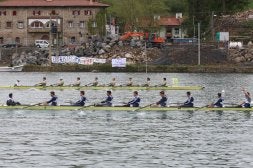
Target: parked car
[41,43]
[11,45]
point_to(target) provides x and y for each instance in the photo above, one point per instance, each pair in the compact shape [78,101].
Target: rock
[239,59]
[101,51]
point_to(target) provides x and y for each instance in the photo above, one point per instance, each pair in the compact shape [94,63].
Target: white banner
[99,61]
[119,62]
[86,61]
[65,59]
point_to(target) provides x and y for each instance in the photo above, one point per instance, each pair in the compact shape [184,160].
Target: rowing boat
[105,87]
[92,108]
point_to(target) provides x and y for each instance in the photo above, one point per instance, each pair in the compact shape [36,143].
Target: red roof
[51,3]
[170,21]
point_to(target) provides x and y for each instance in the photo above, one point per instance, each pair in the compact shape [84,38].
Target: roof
[51,3]
[170,21]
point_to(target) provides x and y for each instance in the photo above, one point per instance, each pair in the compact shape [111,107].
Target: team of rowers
[135,102]
[113,83]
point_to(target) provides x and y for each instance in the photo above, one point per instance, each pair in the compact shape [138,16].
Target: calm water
[102,139]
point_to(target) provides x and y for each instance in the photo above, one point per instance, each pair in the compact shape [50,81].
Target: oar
[31,105]
[199,108]
[143,107]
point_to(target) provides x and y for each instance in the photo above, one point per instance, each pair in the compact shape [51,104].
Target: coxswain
[11,102]
[108,101]
[112,83]
[43,83]
[163,101]
[135,102]
[81,101]
[247,102]
[218,103]
[17,83]
[164,83]
[130,82]
[147,84]
[53,100]
[77,82]
[189,102]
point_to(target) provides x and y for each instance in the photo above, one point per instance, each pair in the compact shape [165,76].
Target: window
[3,13]
[70,23]
[1,40]
[87,12]
[52,24]
[20,25]
[37,24]
[76,12]
[36,13]
[73,39]
[176,31]
[53,12]
[17,40]
[82,24]
[14,13]
[8,25]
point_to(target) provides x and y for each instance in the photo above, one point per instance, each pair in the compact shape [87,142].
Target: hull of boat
[92,108]
[12,69]
[106,88]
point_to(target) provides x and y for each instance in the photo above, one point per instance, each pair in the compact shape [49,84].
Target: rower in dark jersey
[11,102]
[107,101]
[218,103]
[247,102]
[135,102]
[53,100]
[163,101]
[81,101]
[189,101]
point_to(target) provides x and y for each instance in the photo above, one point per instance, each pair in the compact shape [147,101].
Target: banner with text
[65,59]
[119,62]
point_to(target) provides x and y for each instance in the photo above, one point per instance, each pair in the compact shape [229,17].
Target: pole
[146,57]
[50,41]
[199,43]
[212,25]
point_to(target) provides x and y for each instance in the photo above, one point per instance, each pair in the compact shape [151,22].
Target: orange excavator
[152,39]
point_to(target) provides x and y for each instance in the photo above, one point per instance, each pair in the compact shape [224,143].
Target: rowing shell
[92,108]
[106,87]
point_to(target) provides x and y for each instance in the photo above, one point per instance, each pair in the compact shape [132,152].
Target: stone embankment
[241,56]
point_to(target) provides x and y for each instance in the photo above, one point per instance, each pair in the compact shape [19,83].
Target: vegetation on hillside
[128,11]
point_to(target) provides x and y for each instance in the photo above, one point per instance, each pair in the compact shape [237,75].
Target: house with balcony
[64,20]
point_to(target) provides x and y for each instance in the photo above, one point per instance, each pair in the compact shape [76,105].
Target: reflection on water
[127,139]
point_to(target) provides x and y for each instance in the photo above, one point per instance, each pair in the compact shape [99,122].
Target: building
[24,21]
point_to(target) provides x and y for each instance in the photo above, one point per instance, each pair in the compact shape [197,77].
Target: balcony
[41,29]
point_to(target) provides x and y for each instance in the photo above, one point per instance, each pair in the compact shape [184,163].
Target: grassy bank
[142,68]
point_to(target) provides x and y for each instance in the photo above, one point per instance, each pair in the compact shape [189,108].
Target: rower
[11,102]
[94,83]
[189,102]
[43,83]
[164,83]
[135,102]
[163,100]
[112,83]
[53,100]
[77,82]
[247,102]
[82,100]
[147,84]
[59,83]
[108,101]
[17,83]
[130,82]
[219,102]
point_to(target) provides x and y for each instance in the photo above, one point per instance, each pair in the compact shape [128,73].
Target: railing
[41,30]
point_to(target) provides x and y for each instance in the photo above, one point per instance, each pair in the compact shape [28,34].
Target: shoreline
[225,68]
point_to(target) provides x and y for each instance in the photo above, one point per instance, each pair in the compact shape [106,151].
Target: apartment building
[24,21]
